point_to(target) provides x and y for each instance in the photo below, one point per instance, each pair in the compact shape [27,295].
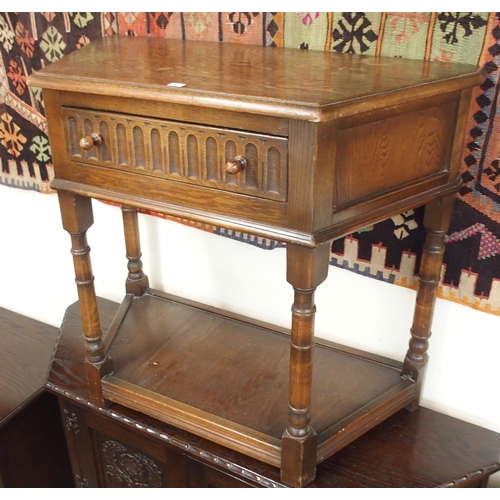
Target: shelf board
[225,377]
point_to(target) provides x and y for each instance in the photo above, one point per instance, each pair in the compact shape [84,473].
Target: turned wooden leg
[77,217]
[137,282]
[306,269]
[436,222]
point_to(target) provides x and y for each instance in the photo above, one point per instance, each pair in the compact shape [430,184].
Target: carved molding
[71,421]
[472,476]
[81,482]
[127,469]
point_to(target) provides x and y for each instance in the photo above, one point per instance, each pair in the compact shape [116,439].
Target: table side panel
[383,156]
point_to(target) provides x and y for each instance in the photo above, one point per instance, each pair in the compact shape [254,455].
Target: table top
[293,83]
[420,449]
[26,347]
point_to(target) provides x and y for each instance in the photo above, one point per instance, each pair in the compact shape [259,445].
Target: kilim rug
[387,251]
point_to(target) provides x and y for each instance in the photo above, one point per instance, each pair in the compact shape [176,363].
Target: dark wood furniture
[120,447]
[298,146]
[32,442]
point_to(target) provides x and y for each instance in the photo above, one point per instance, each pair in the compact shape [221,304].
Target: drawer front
[179,151]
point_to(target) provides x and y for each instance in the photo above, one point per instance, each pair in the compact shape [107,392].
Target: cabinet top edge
[284,82]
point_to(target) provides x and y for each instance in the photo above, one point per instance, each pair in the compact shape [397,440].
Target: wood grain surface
[33,452]
[26,348]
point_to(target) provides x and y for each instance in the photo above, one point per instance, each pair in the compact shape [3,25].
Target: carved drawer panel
[179,151]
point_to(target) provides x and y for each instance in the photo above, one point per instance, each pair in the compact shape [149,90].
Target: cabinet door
[106,454]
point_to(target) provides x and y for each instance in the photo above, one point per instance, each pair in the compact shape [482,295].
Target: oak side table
[298,146]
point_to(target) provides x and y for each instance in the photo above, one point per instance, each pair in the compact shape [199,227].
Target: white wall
[37,280]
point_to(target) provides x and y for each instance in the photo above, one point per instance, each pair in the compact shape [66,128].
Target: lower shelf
[225,377]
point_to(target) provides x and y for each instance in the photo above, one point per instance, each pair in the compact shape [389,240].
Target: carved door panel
[122,466]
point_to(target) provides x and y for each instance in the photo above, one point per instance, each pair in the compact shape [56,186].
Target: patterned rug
[387,251]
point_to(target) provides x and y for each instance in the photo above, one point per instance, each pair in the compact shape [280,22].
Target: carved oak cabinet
[298,146]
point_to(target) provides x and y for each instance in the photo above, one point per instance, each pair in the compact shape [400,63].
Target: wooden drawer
[183,152]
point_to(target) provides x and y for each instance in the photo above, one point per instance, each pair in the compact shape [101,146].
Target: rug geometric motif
[388,250]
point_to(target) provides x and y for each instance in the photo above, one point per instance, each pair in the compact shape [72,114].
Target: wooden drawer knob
[236,165]
[89,141]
